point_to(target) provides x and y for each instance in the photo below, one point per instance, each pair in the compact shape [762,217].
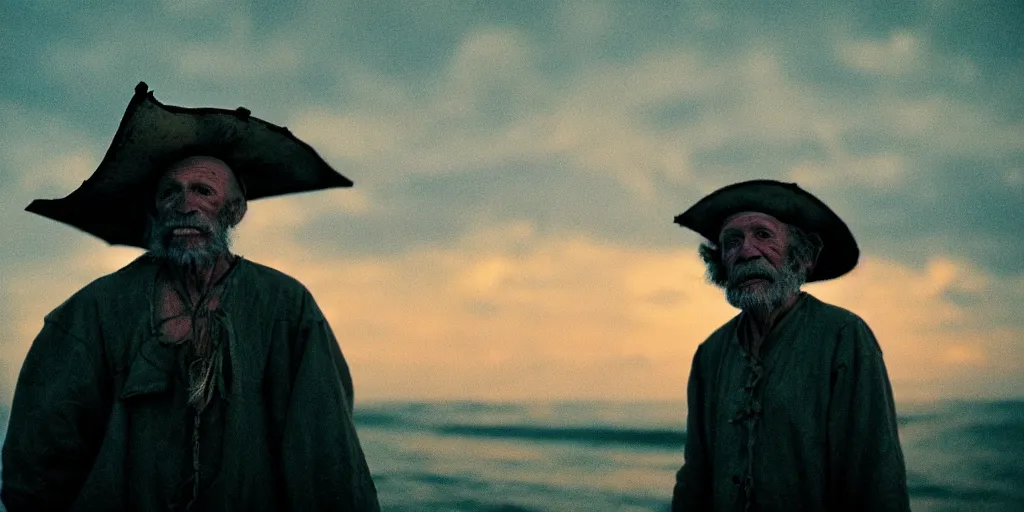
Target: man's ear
[237,209]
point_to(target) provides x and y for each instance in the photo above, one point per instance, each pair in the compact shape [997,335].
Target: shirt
[100,418]
[810,425]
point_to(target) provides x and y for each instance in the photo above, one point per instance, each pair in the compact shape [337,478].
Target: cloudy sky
[518,166]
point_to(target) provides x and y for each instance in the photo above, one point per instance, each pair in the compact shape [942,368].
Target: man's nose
[747,250]
[185,204]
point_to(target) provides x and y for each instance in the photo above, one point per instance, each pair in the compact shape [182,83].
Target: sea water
[598,456]
[587,456]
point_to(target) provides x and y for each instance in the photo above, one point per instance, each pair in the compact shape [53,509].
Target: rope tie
[749,415]
[195,462]
[205,337]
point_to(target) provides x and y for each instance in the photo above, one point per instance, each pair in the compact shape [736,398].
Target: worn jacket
[100,418]
[810,425]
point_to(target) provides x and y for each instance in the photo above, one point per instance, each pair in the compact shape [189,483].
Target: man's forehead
[738,220]
[200,166]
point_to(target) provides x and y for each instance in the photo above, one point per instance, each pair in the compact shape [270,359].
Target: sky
[517,167]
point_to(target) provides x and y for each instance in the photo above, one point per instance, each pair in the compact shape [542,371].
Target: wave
[661,438]
[430,491]
[487,426]
[947,493]
[592,435]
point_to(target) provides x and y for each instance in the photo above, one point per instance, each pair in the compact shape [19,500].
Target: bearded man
[191,379]
[789,403]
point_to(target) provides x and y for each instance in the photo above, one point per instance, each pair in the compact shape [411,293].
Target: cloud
[946,326]
[507,313]
[668,126]
[190,8]
[666,116]
[900,53]
[234,61]
[963,355]
[517,171]
[497,302]
[585,22]
[876,171]
[493,311]
[66,161]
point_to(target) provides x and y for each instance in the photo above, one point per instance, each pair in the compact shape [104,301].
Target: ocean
[591,456]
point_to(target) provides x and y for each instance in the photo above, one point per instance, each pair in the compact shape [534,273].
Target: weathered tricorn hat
[113,204]
[788,203]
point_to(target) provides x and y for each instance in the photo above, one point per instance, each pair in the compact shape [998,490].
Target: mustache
[185,221]
[758,269]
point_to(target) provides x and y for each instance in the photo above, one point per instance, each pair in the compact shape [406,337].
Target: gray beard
[784,283]
[162,247]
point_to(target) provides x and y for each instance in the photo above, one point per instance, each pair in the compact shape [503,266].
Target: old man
[191,379]
[790,405]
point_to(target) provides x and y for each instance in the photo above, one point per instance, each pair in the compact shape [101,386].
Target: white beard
[163,248]
[784,283]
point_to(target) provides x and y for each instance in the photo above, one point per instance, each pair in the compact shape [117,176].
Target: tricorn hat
[788,203]
[114,202]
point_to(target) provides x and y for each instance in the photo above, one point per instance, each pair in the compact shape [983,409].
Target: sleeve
[866,466]
[323,462]
[693,487]
[60,409]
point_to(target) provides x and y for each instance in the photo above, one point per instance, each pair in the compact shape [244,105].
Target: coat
[810,425]
[100,419]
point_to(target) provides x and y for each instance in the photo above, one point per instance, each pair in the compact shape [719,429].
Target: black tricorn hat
[115,201]
[788,203]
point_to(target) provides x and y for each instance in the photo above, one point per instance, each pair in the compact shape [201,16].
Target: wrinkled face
[197,204]
[755,252]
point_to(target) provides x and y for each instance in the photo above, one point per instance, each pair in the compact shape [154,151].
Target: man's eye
[764,234]
[203,189]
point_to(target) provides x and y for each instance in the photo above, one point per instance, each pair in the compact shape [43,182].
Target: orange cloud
[504,313]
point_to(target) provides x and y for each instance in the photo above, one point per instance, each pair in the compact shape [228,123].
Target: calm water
[622,457]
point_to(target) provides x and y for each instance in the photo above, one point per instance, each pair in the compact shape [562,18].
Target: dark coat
[100,419]
[815,432]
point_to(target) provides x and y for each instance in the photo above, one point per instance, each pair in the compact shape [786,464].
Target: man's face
[755,252]
[195,209]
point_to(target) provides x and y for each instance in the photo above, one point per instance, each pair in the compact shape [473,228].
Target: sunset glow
[510,234]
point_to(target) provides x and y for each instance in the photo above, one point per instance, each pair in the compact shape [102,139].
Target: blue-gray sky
[518,165]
